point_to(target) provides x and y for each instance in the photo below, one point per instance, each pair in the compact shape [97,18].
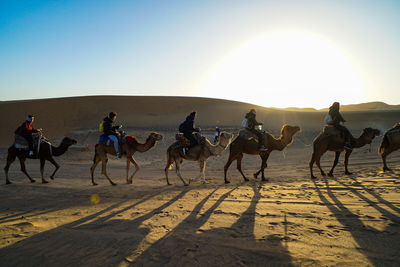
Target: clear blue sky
[71,48]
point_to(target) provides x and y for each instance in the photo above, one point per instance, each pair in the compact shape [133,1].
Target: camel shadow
[380,247]
[189,245]
[94,240]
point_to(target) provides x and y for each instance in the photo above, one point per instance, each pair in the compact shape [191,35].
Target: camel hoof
[227,182]
[265,180]
[386,169]
[255,176]
[113,184]
[169,184]
[313,177]
[186,184]
[348,173]
[323,174]
[8,182]
[330,174]
[205,182]
[246,180]
[52,177]
[32,181]
[44,182]
[94,183]
[128,182]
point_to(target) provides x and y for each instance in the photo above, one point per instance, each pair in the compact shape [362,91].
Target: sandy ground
[290,220]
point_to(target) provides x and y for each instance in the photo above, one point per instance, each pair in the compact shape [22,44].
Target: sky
[270,53]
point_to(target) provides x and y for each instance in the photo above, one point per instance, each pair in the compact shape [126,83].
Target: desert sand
[351,220]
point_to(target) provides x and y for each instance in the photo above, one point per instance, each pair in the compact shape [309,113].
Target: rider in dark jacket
[251,124]
[187,128]
[336,119]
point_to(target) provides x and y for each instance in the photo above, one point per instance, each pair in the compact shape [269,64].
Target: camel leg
[128,163]
[226,167]
[317,161]
[311,163]
[131,159]
[264,159]
[201,174]
[263,166]
[42,162]
[203,171]
[10,160]
[239,167]
[170,161]
[258,172]
[384,155]
[95,163]
[178,171]
[335,162]
[23,169]
[104,170]
[52,161]
[346,161]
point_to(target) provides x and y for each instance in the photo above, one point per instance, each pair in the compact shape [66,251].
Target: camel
[242,145]
[390,142]
[127,150]
[199,153]
[46,152]
[324,142]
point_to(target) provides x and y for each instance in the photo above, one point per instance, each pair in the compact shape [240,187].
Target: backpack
[245,123]
[101,127]
[328,119]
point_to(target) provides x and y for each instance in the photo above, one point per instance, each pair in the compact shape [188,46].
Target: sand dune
[62,115]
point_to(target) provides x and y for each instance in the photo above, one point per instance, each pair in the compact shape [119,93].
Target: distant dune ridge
[58,116]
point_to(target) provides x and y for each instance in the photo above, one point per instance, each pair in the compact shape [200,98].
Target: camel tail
[384,143]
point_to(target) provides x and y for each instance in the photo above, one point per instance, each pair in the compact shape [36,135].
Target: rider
[187,128]
[217,134]
[26,130]
[251,124]
[336,119]
[111,131]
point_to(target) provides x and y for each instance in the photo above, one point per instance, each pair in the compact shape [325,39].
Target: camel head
[288,132]
[68,141]
[155,136]
[369,134]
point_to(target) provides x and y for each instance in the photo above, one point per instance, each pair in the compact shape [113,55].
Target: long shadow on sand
[94,240]
[188,245]
[380,247]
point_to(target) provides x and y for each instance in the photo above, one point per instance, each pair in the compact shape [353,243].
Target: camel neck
[146,146]
[58,151]
[217,149]
[359,141]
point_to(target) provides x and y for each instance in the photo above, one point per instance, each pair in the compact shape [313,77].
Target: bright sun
[286,69]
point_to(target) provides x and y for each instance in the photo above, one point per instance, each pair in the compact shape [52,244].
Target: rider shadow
[75,244]
[188,244]
[380,247]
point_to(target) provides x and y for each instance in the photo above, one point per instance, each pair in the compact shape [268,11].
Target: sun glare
[286,69]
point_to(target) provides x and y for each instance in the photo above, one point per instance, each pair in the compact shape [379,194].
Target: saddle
[331,130]
[22,144]
[184,142]
[248,135]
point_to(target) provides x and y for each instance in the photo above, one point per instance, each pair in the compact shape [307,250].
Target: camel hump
[246,134]
[330,130]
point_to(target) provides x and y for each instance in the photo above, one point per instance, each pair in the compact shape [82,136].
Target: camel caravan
[190,145]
